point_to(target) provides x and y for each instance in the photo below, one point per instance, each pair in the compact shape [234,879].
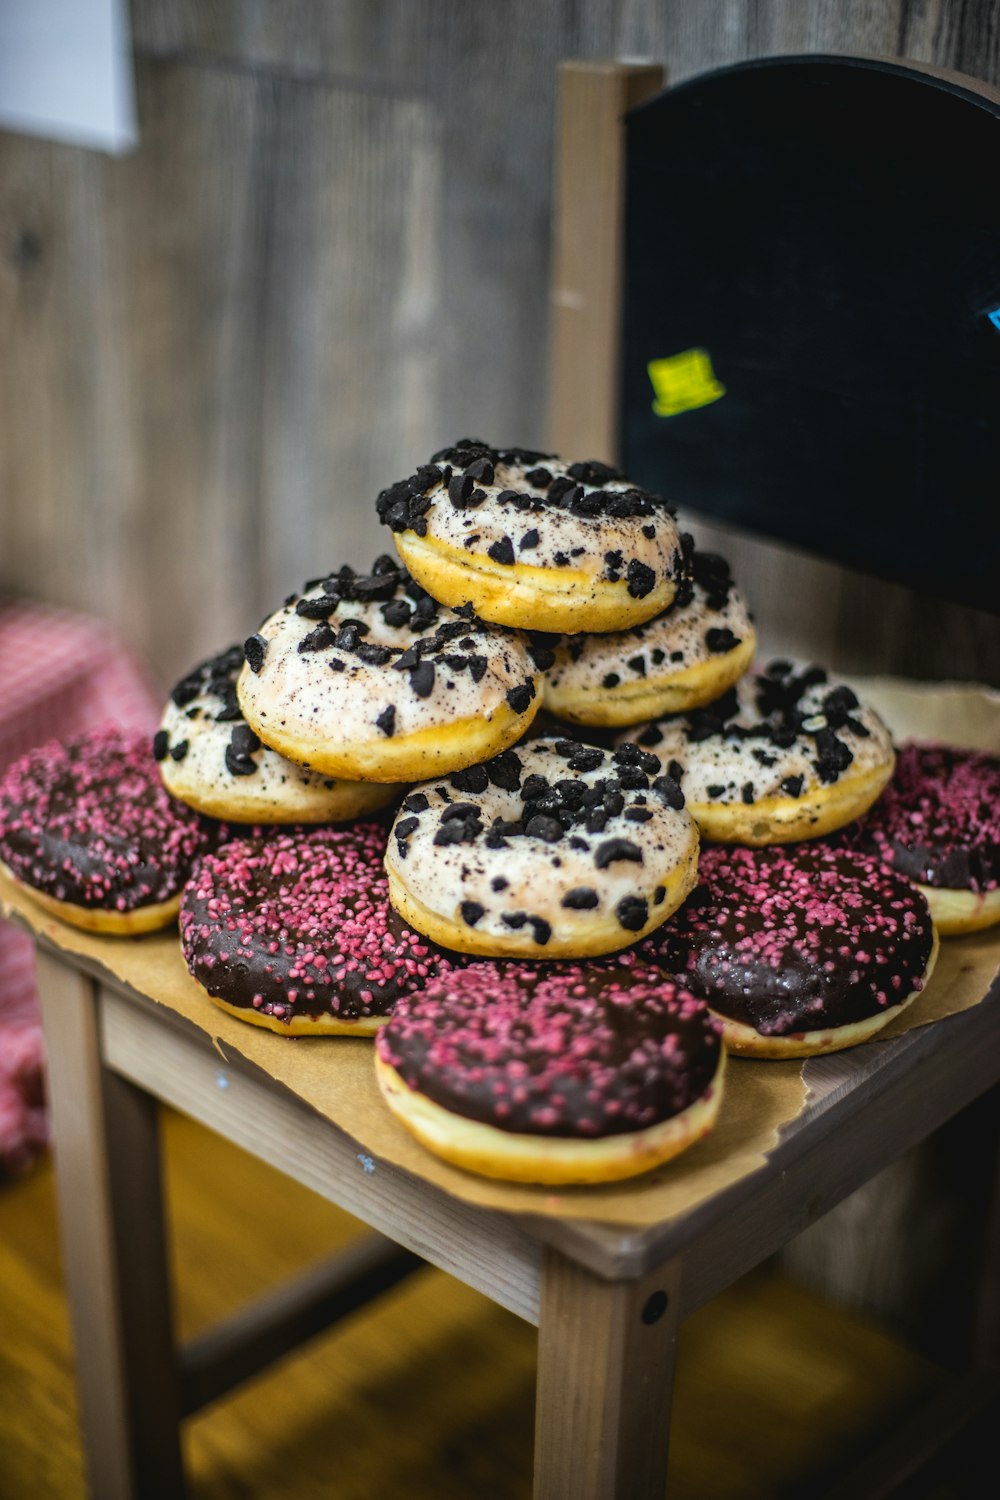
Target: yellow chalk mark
[683,381]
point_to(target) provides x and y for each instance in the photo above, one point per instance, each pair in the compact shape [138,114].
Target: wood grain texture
[114,1249]
[428,1392]
[587,252]
[606,1354]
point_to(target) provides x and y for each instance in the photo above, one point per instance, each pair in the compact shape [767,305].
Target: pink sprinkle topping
[89,821]
[556,1049]
[938,820]
[301,917]
[797,937]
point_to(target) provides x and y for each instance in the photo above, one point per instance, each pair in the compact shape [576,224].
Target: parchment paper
[335,1075]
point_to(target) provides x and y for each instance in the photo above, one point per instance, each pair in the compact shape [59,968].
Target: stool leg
[605,1378]
[107,1161]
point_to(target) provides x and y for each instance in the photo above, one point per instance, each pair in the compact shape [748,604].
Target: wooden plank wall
[328,257]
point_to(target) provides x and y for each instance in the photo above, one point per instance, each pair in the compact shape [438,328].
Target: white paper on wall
[66,72]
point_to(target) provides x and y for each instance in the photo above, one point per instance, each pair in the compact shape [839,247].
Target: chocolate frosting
[560,1049]
[797,938]
[938,820]
[298,923]
[89,822]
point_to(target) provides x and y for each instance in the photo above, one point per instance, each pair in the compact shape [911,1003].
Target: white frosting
[671,642]
[536,874]
[723,769]
[300,693]
[202,772]
[565,540]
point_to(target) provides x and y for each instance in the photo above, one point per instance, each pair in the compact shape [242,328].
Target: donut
[555,849]
[683,658]
[211,759]
[365,676]
[798,949]
[534,542]
[292,930]
[784,755]
[938,823]
[553,1073]
[88,830]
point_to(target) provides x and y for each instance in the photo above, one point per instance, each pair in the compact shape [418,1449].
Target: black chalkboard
[811,316]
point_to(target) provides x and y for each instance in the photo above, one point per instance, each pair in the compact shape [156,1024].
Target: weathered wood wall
[328,257]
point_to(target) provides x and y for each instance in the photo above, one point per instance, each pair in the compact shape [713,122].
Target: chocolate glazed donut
[88,829]
[293,931]
[799,949]
[938,823]
[553,1072]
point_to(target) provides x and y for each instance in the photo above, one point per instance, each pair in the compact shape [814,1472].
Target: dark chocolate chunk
[243,740]
[254,649]
[581,898]
[320,608]
[504,771]
[669,791]
[161,744]
[422,679]
[459,489]
[471,912]
[178,751]
[610,680]
[481,470]
[470,779]
[386,720]
[520,697]
[237,764]
[613,850]
[637,814]
[499,883]
[834,755]
[515,919]
[456,832]
[396,613]
[405,827]
[502,551]
[542,827]
[319,639]
[641,579]
[529,540]
[637,664]
[373,655]
[720,639]
[541,930]
[585,758]
[540,478]
[748,793]
[632,912]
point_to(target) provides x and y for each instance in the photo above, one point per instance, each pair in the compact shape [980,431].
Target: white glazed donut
[211,759]
[535,542]
[786,754]
[555,849]
[681,659]
[364,676]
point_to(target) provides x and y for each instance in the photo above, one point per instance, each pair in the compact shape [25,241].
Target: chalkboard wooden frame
[807,347]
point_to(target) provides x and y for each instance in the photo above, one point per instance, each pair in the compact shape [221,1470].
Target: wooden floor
[430,1391]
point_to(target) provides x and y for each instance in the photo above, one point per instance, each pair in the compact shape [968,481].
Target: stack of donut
[554,935]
